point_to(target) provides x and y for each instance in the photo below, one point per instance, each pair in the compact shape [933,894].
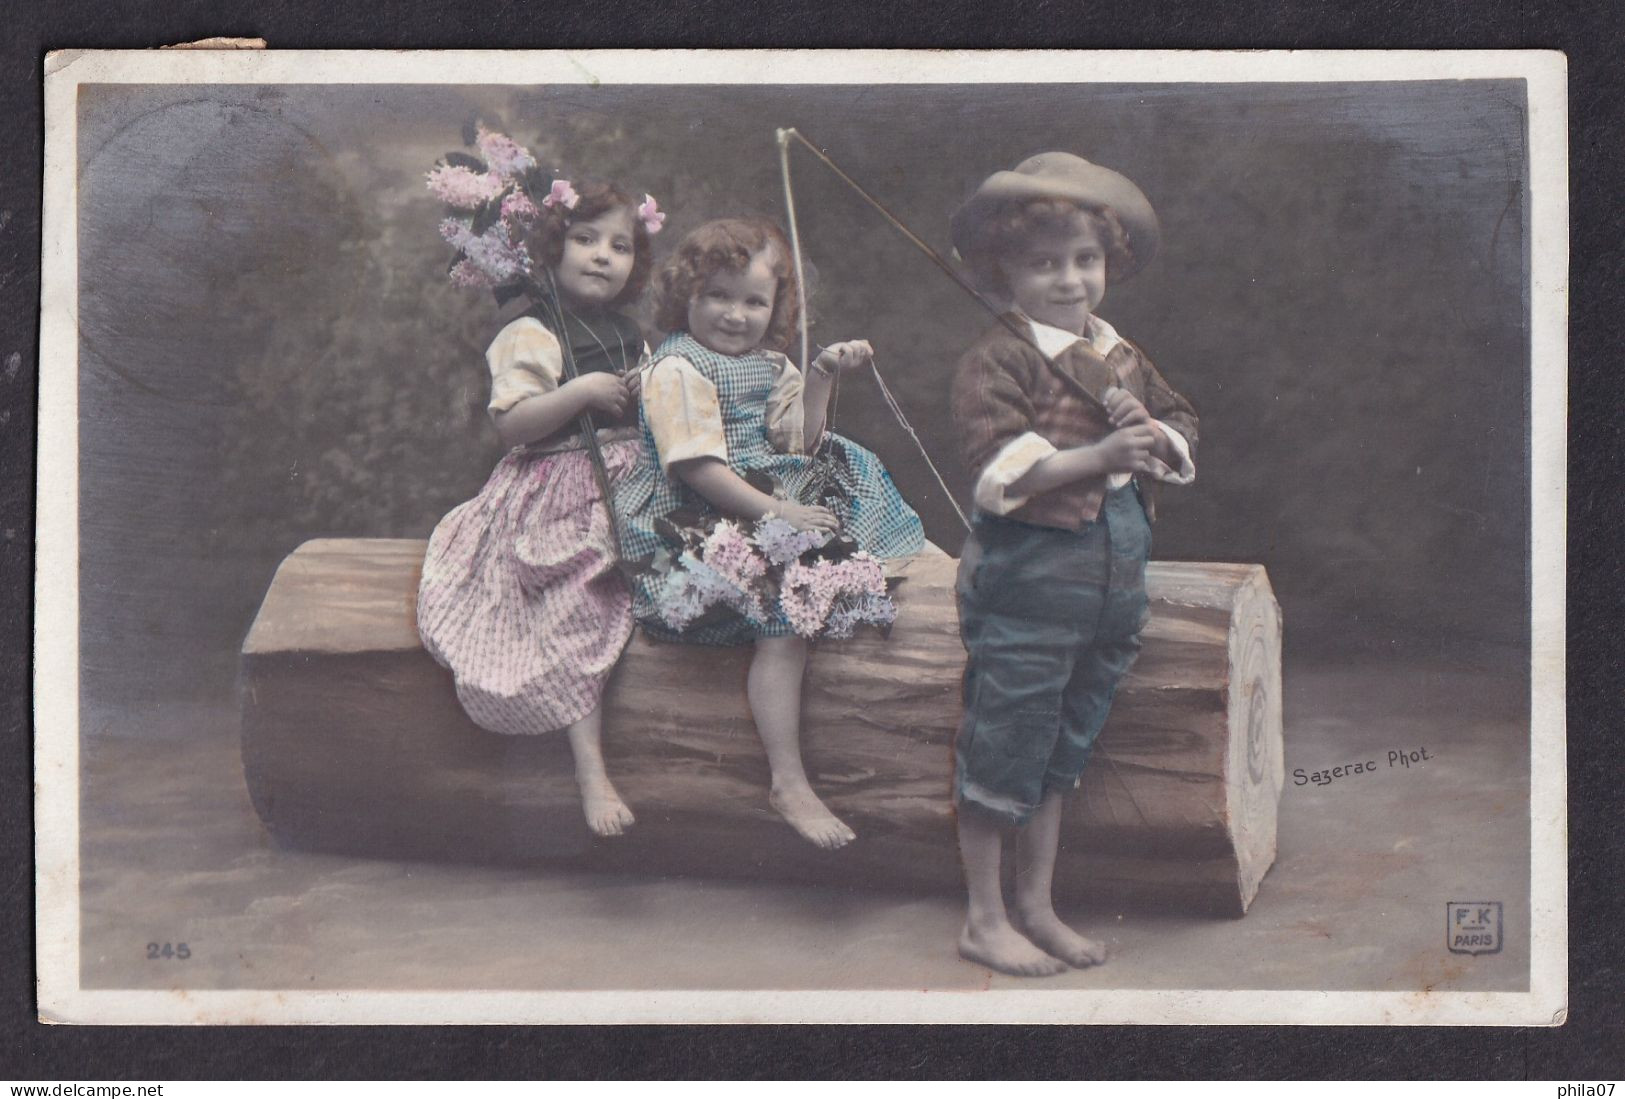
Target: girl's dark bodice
[599,340]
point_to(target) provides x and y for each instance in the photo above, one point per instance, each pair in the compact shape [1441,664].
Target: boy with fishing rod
[1065,425]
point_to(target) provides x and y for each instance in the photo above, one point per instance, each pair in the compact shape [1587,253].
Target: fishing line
[885,391]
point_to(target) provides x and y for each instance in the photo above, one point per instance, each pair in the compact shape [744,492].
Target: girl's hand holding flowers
[808,516]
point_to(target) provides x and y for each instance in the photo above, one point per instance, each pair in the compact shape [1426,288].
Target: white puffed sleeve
[683,412]
[786,411]
[525,361]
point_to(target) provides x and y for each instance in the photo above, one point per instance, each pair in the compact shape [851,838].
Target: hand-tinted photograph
[892,536]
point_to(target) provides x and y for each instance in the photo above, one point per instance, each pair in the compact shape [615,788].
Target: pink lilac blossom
[463,188]
[730,553]
[690,589]
[693,587]
[850,612]
[517,206]
[842,621]
[466,274]
[734,592]
[865,574]
[505,156]
[496,253]
[456,231]
[834,597]
[680,601]
[783,543]
[806,595]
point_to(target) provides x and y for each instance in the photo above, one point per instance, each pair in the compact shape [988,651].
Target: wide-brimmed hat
[1062,175]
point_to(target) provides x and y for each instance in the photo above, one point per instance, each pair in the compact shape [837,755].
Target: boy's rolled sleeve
[1186,473]
[992,412]
[1009,465]
[1175,415]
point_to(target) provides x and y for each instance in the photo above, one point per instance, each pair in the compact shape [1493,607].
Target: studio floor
[172,852]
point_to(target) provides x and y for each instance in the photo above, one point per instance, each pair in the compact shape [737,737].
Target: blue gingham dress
[876,516]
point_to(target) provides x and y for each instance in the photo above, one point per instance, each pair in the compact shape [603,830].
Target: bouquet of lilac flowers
[493,202]
[491,209]
[821,584]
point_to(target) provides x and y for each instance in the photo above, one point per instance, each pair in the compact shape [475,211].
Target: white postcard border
[61,999]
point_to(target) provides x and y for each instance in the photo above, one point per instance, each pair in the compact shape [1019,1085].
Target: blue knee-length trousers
[1051,621]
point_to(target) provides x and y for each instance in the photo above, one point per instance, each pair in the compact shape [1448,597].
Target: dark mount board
[1587,1047]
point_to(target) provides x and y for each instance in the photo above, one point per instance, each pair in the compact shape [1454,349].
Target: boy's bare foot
[1002,948]
[1046,930]
[606,813]
[802,810]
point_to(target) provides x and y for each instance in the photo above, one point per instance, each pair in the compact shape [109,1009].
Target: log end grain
[1255,769]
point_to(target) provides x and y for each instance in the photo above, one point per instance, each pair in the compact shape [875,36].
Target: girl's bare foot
[802,810]
[1001,947]
[1046,930]
[607,814]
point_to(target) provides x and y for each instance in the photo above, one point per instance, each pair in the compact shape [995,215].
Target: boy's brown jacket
[1003,389]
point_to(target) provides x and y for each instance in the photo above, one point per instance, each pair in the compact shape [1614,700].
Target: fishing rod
[785,136]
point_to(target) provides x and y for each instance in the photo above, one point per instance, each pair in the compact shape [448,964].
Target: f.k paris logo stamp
[1473,927]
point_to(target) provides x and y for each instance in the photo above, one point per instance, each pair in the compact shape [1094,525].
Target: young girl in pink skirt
[520,595]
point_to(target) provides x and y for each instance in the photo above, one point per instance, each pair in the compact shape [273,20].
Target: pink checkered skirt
[520,597]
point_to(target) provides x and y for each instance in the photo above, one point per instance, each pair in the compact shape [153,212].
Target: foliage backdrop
[270,351]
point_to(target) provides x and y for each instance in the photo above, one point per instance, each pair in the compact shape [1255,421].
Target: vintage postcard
[623,537]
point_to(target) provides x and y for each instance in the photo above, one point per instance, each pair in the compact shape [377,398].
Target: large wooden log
[353,740]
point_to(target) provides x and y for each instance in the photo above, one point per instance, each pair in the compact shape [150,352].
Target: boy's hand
[808,516]
[1124,409]
[1128,449]
[846,355]
[633,380]
[602,391]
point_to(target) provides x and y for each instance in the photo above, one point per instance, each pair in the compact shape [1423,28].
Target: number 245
[168,950]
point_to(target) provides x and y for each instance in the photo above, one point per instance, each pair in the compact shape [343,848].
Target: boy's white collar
[1052,341]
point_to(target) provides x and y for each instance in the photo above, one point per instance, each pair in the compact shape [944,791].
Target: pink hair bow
[561,194]
[651,216]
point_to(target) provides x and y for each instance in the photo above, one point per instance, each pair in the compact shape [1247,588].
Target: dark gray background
[270,351]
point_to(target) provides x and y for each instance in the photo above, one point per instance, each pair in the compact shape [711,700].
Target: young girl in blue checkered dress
[720,402]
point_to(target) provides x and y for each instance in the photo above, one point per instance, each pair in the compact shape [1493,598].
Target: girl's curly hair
[1014,226]
[597,199]
[728,244]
